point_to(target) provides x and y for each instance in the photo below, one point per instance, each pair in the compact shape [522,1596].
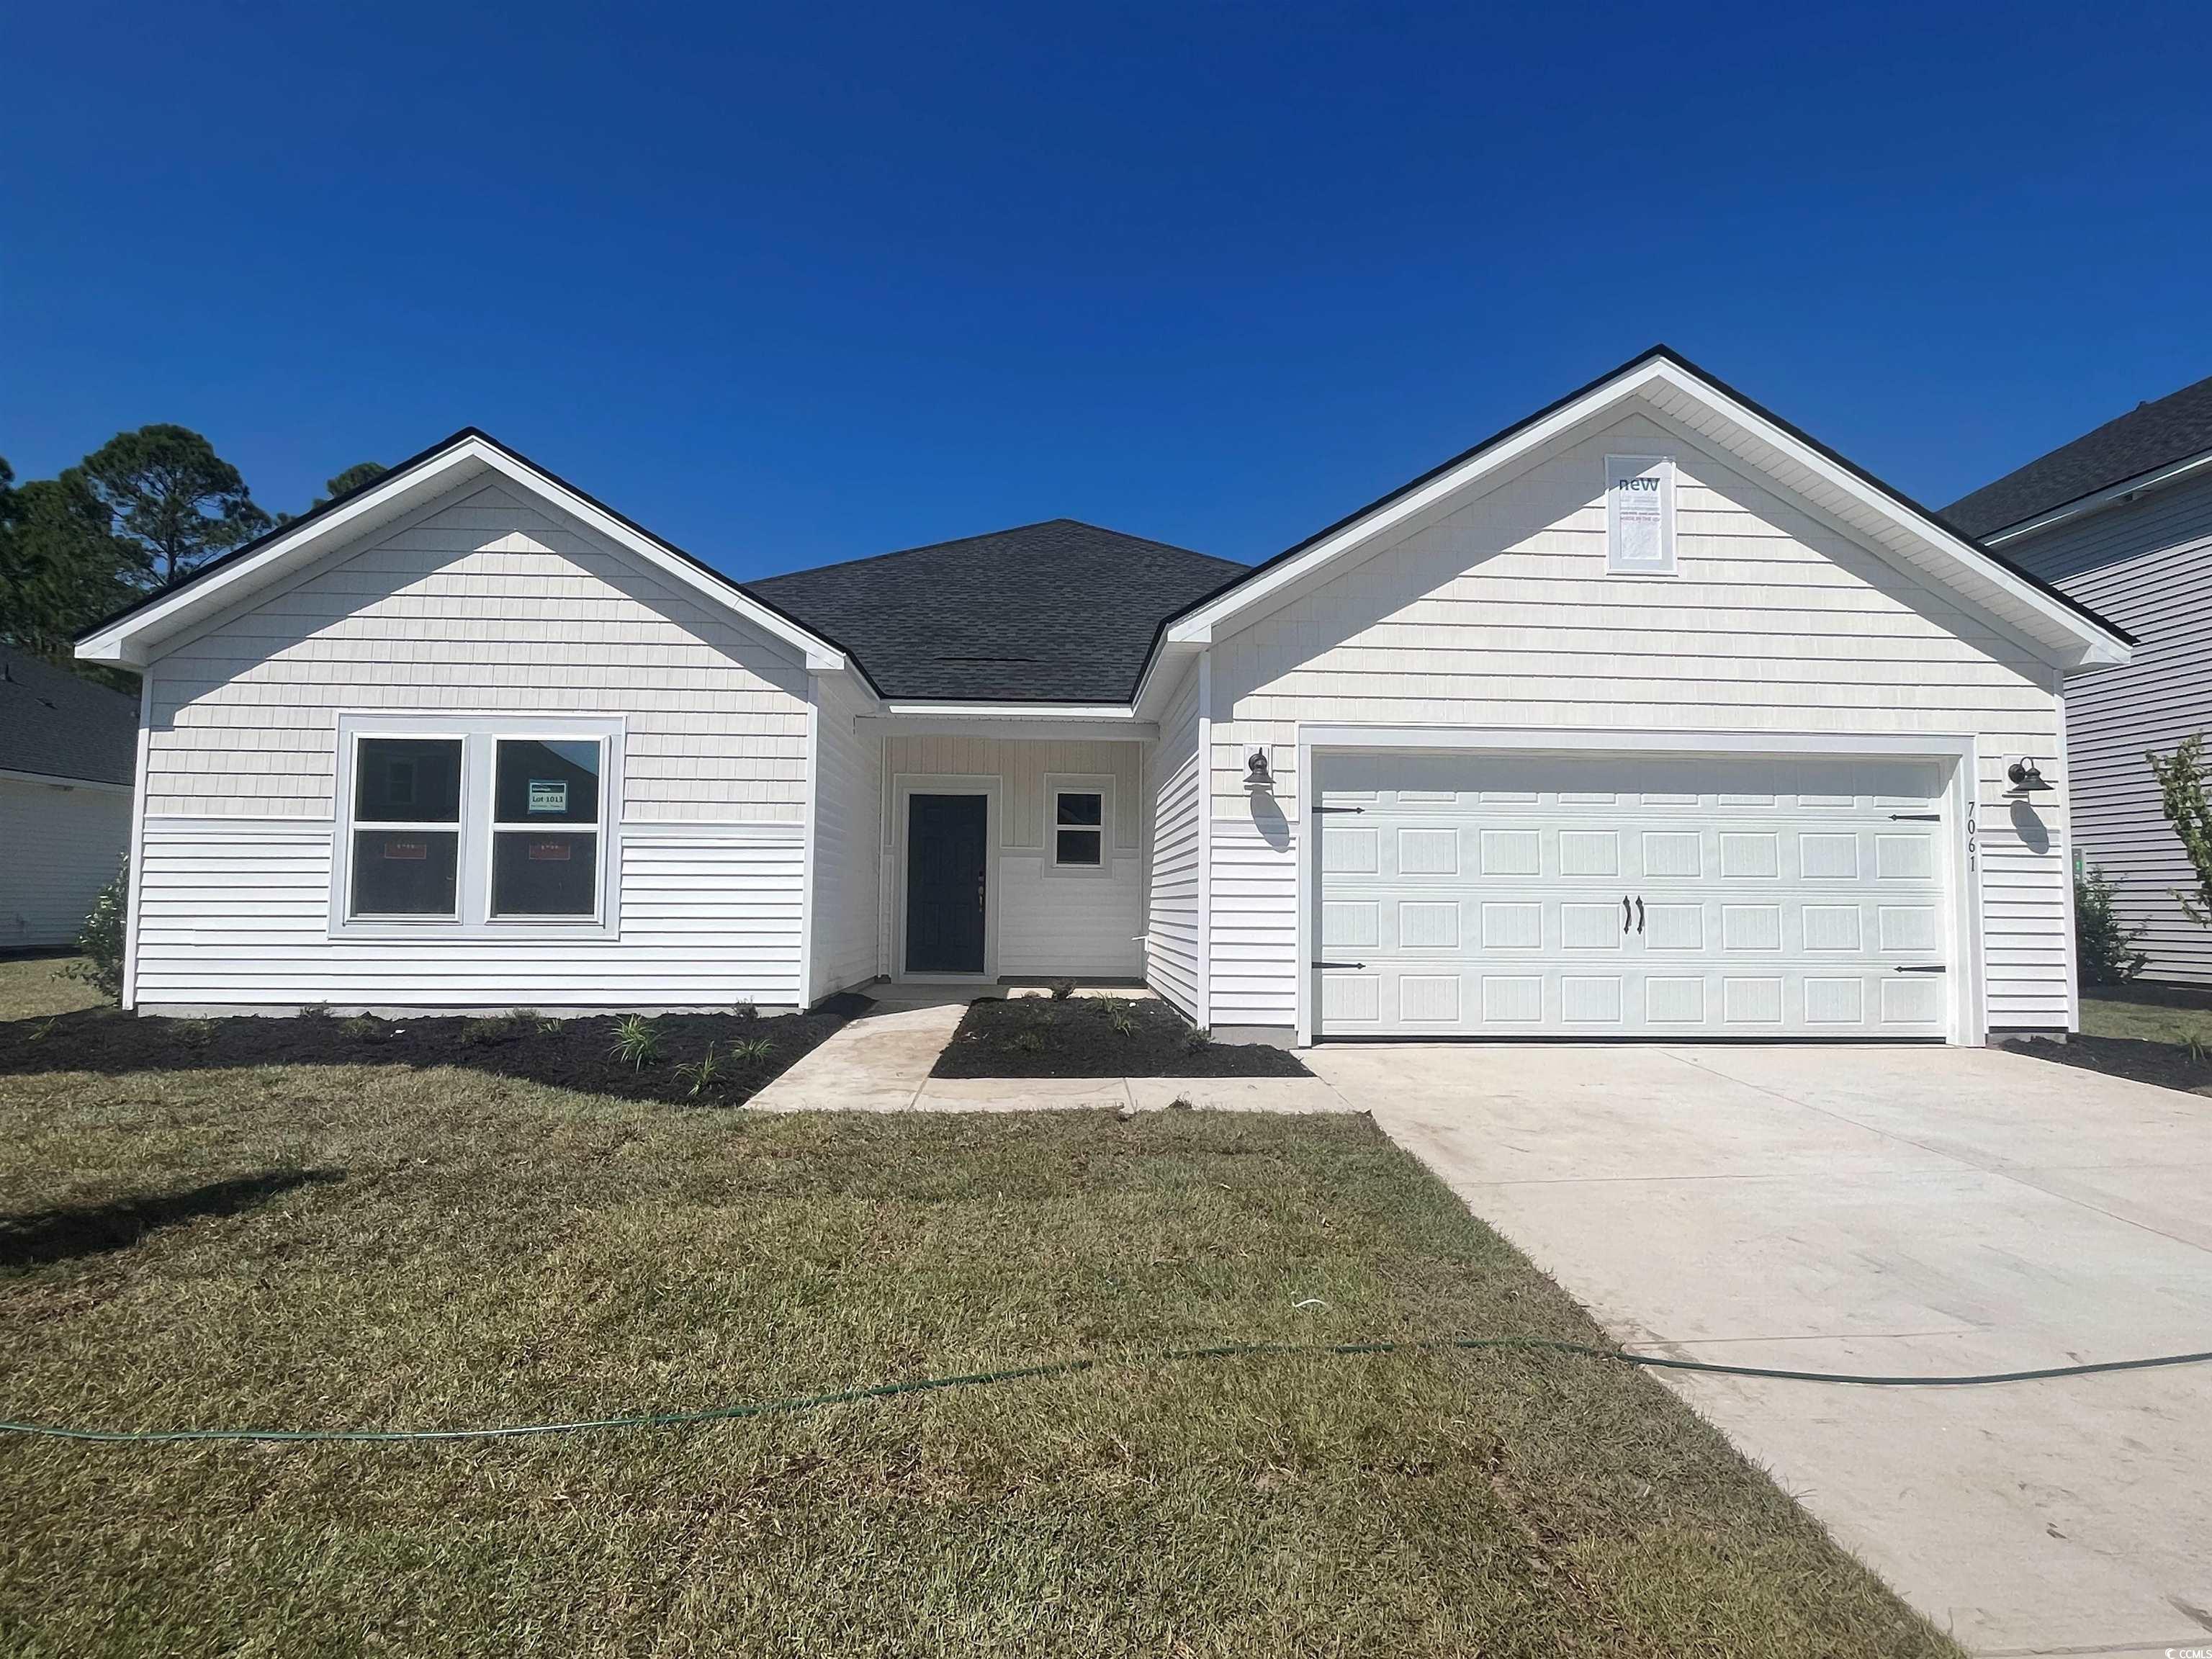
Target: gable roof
[1061,611]
[2150,436]
[1886,517]
[60,724]
[129,638]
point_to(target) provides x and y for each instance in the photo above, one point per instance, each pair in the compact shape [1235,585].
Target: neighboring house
[67,750]
[2122,519]
[1648,716]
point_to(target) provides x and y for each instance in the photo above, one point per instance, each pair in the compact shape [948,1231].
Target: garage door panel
[1632,896]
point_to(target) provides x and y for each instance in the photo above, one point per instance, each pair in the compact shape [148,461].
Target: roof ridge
[987,535]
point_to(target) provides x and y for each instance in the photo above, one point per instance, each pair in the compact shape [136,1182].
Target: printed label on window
[406,849]
[549,795]
[1639,513]
[553,852]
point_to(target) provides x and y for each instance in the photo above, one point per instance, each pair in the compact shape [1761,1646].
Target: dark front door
[945,864]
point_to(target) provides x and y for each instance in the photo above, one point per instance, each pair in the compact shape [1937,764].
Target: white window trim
[479,735]
[1100,784]
[1634,466]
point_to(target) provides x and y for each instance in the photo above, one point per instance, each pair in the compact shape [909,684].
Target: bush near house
[2104,946]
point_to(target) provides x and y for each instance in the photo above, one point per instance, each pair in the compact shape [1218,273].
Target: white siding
[2148,567]
[1048,922]
[480,604]
[847,866]
[235,914]
[1172,792]
[483,604]
[1501,614]
[59,845]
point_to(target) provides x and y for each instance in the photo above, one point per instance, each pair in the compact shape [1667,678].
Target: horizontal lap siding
[482,604]
[236,912]
[2148,567]
[58,847]
[1173,791]
[1501,614]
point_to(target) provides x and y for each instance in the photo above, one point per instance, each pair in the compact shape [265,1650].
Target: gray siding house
[2121,520]
[67,749]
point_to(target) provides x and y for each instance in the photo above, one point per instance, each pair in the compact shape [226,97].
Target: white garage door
[1465,895]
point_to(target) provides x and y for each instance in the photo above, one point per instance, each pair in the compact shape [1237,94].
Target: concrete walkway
[1892,1210]
[880,1063]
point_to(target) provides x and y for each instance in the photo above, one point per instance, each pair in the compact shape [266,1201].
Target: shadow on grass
[70,1230]
[569,1054]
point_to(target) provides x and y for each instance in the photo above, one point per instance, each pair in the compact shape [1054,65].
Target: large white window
[475,827]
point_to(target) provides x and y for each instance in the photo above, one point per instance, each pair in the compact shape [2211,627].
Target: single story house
[2121,519]
[67,747]
[1646,716]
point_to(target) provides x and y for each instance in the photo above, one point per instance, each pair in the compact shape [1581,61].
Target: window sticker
[548,794]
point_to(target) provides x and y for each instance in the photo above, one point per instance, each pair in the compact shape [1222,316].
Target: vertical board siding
[2148,567]
[483,605]
[1501,614]
[236,912]
[1047,922]
[58,846]
[1173,794]
[847,854]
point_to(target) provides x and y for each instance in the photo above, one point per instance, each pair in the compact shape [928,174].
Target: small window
[407,834]
[1078,835]
[543,864]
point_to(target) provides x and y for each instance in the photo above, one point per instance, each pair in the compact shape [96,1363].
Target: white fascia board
[2078,641]
[129,641]
[980,725]
[2127,489]
[1023,711]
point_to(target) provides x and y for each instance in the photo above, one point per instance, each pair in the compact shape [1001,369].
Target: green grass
[477,1249]
[33,988]
[2148,1013]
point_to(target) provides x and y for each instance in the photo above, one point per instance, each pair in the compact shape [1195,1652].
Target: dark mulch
[1037,1037]
[571,1054]
[2167,1064]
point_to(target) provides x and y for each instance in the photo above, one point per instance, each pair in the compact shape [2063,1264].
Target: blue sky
[799,283]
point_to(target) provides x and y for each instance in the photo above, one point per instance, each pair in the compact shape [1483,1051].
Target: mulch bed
[570,1054]
[2167,1064]
[1037,1036]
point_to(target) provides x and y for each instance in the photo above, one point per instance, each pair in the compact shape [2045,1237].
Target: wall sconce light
[1256,776]
[2025,779]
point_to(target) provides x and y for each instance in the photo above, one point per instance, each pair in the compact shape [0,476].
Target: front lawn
[369,1244]
[1097,1036]
[2159,1034]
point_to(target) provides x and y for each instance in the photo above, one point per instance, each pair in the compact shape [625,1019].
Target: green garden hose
[1071,1367]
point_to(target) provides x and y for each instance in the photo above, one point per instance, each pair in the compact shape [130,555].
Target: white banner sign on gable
[1639,514]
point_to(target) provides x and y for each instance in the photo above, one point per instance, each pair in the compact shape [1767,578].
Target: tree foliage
[167,491]
[2104,947]
[101,940]
[2189,809]
[360,473]
[61,567]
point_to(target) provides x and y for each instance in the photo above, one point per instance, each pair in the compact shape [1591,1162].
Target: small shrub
[528,1022]
[744,1008]
[1029,1043]
[752,1050]
[193,1033]
[314,1010]
[1197,1038]
[1062,989]
[482,1033]
[2104,947]
[100,939]
[364,1028]
[701,1073]
[1121,1017]
[637,1040]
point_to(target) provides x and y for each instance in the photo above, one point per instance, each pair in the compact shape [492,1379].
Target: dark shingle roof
[2145,438]
[62,725]
[1053,612]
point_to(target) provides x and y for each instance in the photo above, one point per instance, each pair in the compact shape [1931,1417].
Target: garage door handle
[1639,916]
[1626,914]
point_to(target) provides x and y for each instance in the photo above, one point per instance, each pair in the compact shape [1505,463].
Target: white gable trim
[133,640]
[1887,524]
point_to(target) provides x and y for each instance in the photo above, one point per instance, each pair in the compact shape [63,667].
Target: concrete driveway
[1894,1211]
